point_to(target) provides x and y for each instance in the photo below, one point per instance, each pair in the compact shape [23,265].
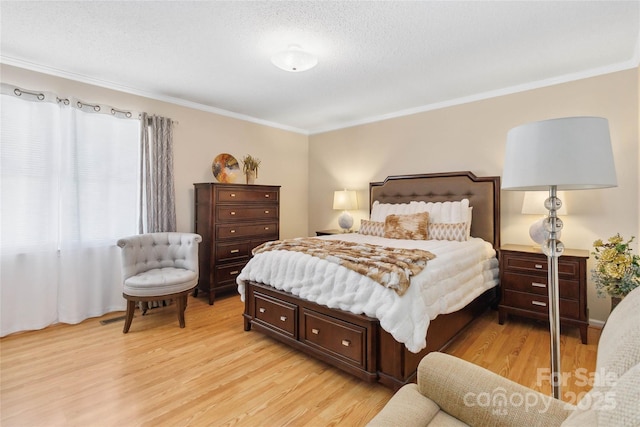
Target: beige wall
[472,137]
[198,137]
[465,137]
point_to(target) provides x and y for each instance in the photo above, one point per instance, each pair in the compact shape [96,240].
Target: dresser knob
[266,228]
[234,251]
[233,194]
[267,196]
[283,318]
[232,231]
[346,343]
[266,212]
[315,331]
[538,285]
[234,272]
[539,303]
[233,213]
[538,266]
[262,309]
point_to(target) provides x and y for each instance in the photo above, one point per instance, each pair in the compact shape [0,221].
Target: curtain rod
[43,95]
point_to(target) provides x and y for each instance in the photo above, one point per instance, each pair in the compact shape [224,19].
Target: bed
[357,338]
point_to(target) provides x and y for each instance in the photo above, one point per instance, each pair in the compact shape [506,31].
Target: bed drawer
[338,338]
[275,314]
[540,304]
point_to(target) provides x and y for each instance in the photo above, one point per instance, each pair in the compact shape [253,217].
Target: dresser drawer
[537,264]
[238,213]
[275,314]
[231,195]
[338,338]
[569,289]
[231,251]
[228,272]
[230,231]
[539,303]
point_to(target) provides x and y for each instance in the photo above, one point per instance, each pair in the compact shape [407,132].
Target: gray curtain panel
[157,201]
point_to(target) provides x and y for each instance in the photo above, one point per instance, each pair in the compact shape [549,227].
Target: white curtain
[68,191]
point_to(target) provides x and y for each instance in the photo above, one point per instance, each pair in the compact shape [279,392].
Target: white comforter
[460,272]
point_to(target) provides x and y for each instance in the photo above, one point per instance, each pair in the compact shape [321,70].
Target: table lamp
[345,200]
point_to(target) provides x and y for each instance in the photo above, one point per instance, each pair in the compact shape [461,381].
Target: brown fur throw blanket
[391,267]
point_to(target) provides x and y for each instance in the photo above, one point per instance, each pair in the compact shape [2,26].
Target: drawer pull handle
[283,318]
[232,231]
[538,285]
[262,310]
[538,266]
[346,343]
[232,213]
[315,331]
[267,196]
[234,251]
[266,228]
[540,303]
[266,212]
[233,194]
[234,272]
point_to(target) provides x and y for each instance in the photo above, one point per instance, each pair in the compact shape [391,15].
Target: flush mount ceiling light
[294,59]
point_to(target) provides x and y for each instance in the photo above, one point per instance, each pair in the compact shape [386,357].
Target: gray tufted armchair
[159,266]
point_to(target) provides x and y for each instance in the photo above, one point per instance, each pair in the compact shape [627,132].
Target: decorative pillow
[409,227]
[443,231]
[371,228]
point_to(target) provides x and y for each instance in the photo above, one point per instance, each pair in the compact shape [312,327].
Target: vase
[251,177]
[614,302]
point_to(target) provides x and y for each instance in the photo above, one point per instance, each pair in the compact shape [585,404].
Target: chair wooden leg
[181,305]
[131,307]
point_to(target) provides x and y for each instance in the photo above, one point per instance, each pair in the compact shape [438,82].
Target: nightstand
[523,285]
[329,232]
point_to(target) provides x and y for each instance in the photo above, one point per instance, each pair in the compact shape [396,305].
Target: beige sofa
[453,392]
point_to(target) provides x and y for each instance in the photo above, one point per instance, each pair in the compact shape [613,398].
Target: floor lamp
[572,153]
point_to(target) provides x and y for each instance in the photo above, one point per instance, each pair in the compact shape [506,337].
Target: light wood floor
[213,373]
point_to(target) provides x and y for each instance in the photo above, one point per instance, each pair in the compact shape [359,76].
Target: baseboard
[596,323]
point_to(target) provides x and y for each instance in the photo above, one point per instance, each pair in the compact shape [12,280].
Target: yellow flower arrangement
[617,270]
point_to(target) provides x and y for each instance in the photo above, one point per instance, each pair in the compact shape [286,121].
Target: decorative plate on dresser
[232,220]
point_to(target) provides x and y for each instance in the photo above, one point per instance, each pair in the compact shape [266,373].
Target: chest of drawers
[232,220]
[524,285]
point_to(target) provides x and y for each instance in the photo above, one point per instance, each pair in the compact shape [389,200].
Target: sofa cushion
[407,407]
[619,346]
[614,398]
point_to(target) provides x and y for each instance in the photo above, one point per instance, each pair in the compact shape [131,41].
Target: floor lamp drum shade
[571,153]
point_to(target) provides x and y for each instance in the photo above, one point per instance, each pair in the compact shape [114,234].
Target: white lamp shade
[294,59]
[533,203]
[571,153]
[345,200]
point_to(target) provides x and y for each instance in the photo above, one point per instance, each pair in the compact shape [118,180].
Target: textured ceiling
[376,59]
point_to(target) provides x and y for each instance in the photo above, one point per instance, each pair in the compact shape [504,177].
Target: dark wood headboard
[483,194]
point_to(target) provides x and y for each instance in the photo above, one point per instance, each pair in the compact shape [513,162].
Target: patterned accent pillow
[371,228]
[408,227]
[452,231]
